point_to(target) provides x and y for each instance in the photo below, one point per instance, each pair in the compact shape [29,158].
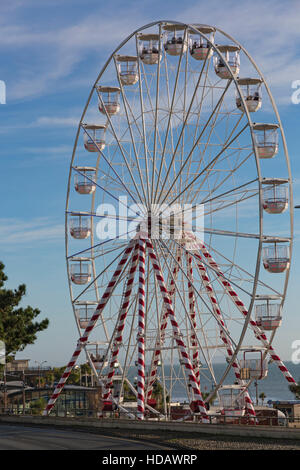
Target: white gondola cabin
[268,314]
[231,54]
[149,48]
[175,41]
[85,178]
[94,137]
[251,91]
[97,354]
[200,48]
[84,310]
[276,256]
[128,69]
[275,195]
[266,139]
[253,365]
[232,402]
[109,100]
[80,225]
[80,270]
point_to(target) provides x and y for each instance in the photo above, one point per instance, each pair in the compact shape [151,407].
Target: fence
[117,415]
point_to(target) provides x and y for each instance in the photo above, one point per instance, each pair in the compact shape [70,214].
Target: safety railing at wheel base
[152,417]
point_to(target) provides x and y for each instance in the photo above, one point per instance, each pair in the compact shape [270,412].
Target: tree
[262,396]
[212,399]
[295,389]
[18,326]
[37,406]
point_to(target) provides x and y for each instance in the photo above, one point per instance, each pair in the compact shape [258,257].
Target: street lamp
[78,368]
[39,369]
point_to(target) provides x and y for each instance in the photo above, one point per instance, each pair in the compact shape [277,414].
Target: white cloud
[269,30]
[52,121]
[60,50]
[16,231]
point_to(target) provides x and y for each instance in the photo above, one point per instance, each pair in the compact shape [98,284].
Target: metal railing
[215,419]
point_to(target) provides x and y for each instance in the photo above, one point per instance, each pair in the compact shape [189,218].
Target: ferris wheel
[178,224]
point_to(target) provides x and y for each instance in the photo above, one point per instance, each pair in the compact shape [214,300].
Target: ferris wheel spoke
[202,153]
[192,150]
[156,118]
[105,190]
[153,111]
[120,255]
[96,216]
[195,289]
[207,143]
[241,307]
[243,196]
[248,183]
[170,114]
[212,177]
[207,174]
[109,164]
[225,338]
[98,245]
[119,146]
[143,125]
[202,99]
[126,105]
[226,204]
[228,233]
[185,212]
[237,266]
[186,118]
[210,165]
[193,325]
[214,270]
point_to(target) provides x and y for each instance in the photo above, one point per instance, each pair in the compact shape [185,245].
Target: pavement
[18,437]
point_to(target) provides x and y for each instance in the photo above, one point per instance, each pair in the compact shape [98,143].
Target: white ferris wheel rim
[234,80]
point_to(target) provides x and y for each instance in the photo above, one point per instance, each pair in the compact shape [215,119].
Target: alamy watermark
[160,221]
[295,98]
[296,354]
[2,92]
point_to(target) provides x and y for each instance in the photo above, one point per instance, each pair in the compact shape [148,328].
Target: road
[18,437]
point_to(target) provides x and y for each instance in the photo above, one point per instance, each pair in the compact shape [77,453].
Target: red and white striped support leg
[222,327]
[193,317]
[240,305]
[163,326]
[121,324]
[63,379]
[177,333]
[141,333]
[89,328]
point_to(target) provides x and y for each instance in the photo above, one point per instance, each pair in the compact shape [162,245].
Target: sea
[274,386]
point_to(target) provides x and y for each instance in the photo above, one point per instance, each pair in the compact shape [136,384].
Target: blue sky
[51,53]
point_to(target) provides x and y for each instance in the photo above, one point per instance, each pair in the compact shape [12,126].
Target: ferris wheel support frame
[170,314]
[240,305]
[222,330]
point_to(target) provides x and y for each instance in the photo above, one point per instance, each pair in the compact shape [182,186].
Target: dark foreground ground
[31,437]
[204,442]
[28,437]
